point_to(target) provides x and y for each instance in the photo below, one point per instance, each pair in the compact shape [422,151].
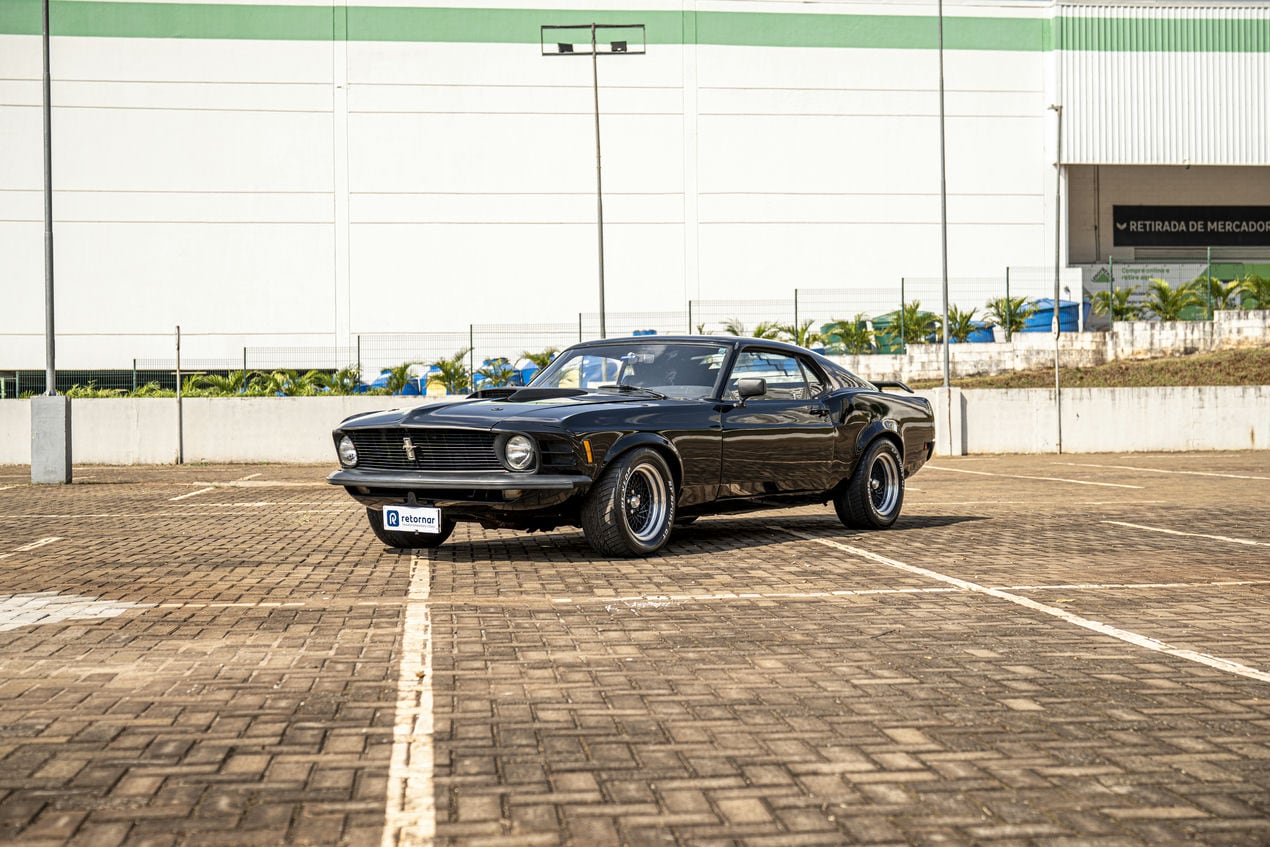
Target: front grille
[434,449]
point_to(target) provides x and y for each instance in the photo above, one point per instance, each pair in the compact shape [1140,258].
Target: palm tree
[733,326]
[215,385]
[343,381]
[802,334]
[542,359]
[960,324]
[910,324]
[853,336]
[1010,313]
[1121,308]
[1255,291]
[1168,302]
[1221,295]
[767,329]
[453,373]
[495,374]
[398,376]
[286,382]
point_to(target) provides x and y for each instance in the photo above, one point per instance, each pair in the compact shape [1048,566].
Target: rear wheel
[630,511]
[874,495]
[407,540]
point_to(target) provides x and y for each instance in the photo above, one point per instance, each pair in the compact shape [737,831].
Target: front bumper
[449,482]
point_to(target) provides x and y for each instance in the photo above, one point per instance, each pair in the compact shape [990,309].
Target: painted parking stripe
[1247,541]
[410,814]
[1043,478]
[34,545]
[192,494]
[1144,641]
[1163,470]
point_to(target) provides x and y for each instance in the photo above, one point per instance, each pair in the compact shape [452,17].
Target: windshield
[676,370]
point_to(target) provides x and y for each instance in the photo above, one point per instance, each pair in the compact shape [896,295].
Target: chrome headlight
[519,452]
[348,452]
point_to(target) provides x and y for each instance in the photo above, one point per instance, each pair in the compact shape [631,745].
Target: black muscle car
[628,437]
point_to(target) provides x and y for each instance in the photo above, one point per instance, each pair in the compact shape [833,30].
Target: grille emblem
[409,447]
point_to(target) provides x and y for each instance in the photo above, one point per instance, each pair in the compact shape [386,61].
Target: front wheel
[874,495]
[407,540]
[631,509]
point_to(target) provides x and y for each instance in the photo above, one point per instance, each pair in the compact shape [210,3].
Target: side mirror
[748,387]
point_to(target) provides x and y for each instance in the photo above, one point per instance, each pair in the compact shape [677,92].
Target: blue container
[1042,320]
[982,333]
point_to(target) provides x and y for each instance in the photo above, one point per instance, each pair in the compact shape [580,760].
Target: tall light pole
[1058,258]
[557,41]
[50,413]
[943,206]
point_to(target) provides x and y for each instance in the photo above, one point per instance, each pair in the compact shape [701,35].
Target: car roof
[726,341]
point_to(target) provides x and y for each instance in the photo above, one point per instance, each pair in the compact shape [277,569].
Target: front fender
[631,440]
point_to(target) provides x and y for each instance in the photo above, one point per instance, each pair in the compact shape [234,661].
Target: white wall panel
[230,278]
[165,150]
[1196,98]
[415,277]
[540,154]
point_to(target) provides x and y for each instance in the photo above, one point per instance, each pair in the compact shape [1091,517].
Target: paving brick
[718,693]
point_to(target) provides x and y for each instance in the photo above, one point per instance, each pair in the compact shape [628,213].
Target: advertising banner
[1191,226]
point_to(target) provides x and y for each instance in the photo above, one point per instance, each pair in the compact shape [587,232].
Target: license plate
[412,519]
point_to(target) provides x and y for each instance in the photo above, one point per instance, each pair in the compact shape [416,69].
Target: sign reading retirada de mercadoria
[1191,226]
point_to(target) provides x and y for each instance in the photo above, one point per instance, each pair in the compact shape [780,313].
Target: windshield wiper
[628,389]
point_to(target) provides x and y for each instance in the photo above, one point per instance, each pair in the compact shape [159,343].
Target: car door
[783,441]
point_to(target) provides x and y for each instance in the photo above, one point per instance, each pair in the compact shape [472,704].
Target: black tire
[631,509]
[874,496]
[407,540]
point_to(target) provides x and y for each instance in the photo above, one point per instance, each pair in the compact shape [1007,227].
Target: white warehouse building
[298,173]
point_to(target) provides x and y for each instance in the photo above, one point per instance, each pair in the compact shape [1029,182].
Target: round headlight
[519,452]
[347,451]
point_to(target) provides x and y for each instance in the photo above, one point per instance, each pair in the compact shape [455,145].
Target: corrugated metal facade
[1146,84]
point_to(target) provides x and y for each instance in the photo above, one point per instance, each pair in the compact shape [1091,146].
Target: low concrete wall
[1027,350]
[1102,420]
[298,429]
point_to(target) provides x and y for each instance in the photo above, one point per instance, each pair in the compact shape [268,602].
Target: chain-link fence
[876,319]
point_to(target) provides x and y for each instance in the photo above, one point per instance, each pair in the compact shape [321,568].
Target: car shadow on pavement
[715,535]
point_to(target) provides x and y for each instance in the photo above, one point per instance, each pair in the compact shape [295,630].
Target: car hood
[489,413]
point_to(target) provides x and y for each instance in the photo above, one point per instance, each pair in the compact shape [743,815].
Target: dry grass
[1224,367]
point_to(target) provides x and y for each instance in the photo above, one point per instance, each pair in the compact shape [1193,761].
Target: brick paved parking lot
[1046,650]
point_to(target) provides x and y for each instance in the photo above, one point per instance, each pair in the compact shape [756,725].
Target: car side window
[816,384]
[783,372]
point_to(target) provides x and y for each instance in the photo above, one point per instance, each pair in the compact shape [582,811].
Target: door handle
[818,411]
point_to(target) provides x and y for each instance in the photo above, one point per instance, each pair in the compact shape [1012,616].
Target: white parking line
[32,546]
[254,475]
[649,600]
[1043,478]
[1162,470]
[192,494]
[7,487]
[1246,541]
[410,813]
[1125,635]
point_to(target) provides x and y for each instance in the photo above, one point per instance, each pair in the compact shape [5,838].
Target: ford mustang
[629,437]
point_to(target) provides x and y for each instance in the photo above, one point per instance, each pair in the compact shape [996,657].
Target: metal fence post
[359,355]
[903,338]
[1208,281]
[180,419]
[134,376]
[471,354]
[1009,307]
[1111,293]
[795,309]
[691,327]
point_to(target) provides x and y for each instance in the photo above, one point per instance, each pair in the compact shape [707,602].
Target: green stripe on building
[1165,35]
[103,18]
